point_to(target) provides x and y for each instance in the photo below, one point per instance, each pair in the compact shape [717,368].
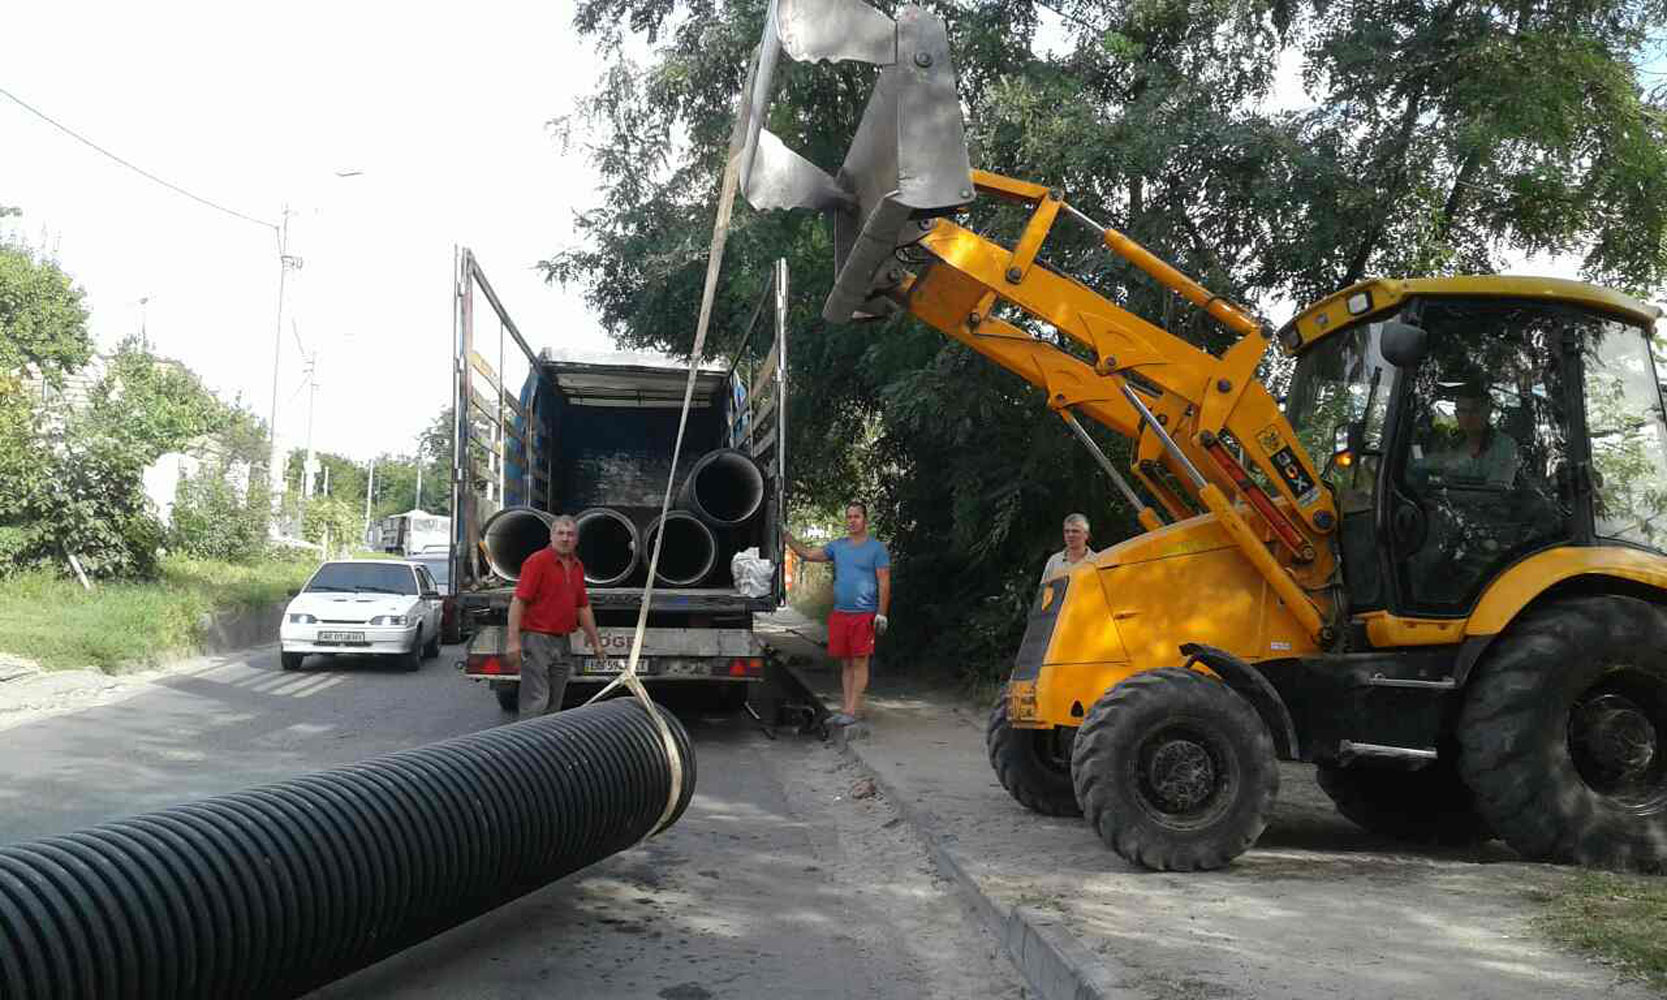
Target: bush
[213,519]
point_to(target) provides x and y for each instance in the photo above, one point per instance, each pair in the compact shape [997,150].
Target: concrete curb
[1055,964]
[241,629]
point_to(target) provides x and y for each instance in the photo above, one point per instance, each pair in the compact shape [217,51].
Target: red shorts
[850,633]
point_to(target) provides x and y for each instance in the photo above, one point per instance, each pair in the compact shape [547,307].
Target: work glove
[880,624]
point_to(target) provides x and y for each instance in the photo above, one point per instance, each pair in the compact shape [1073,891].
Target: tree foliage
[1431,136]
[43,324]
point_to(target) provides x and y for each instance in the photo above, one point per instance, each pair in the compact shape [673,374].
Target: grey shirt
[1057,565]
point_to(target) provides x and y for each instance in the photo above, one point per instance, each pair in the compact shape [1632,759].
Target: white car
[365,607]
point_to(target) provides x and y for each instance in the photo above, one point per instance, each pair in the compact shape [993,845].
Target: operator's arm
[807,554]
[512,643]
[883,577]
[587,621]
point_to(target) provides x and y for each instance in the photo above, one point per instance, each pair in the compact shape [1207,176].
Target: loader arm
[897,246]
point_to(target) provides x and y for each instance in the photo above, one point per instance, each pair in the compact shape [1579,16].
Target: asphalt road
[777,881]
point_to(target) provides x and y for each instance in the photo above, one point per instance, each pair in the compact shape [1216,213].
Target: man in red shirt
[550,602]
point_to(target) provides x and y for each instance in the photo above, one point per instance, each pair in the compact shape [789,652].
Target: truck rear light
[486,665]
[748,667]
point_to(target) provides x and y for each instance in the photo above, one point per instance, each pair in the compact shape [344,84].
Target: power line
[43,116]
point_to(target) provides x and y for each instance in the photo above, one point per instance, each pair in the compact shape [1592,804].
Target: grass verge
[1619,919]
[127,625]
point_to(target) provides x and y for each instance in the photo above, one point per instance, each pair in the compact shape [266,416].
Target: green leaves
[42,321]
[1433,136]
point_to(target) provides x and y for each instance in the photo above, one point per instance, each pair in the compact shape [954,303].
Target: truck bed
[696,599]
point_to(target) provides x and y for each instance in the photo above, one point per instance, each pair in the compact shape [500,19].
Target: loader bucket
[907,162]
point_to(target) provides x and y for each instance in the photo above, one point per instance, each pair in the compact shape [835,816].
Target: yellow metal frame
[1202,397]
[1331,314]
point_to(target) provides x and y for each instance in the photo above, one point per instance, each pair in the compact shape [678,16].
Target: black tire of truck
[1175,771]
[431,649]
[1027,764]
[1429,806]
[412,661]
[509,698]
[1563,729]
[291,661]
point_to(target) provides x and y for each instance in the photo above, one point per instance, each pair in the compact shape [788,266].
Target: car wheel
[291,661]
[431,649]
[413,661]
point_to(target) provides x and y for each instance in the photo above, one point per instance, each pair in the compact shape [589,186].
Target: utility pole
[419,504]
[274,473]
[326,480]
[312,394]
[370,488]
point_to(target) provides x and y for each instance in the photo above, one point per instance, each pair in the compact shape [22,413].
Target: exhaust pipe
[688,553]
[608,546]
[725,488]
[513,534]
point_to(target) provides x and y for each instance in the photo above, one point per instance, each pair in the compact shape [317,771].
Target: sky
[440,110]
[439,113]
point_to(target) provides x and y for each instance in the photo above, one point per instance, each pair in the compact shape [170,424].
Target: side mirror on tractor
[1403,344]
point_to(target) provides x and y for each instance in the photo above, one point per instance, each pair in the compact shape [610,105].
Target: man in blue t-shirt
[862,593]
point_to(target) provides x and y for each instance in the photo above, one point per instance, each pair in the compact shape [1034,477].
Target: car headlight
[302,620]
[391,620]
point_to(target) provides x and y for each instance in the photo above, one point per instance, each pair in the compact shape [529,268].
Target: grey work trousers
[546,663]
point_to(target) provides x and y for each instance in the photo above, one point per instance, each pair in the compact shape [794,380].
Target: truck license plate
[341,637]
[592,665]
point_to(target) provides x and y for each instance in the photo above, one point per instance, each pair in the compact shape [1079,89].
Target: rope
[628,677]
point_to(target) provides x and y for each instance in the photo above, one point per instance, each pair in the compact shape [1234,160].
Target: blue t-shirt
[856,588]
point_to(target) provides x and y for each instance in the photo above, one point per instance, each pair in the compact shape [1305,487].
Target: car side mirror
[1403,344]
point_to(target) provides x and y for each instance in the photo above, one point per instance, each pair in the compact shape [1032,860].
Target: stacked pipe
[274,891]
[513,534]
[722,492]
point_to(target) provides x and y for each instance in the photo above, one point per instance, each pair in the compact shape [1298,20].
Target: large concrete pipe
[725,488]
[608,546]
[513,534]
[273,891]
[688,553]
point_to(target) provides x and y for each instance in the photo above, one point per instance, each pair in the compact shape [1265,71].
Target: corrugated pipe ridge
[273,891]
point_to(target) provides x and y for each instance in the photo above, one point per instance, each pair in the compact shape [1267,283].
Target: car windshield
[360,578]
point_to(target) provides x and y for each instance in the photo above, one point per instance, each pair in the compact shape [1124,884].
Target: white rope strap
[628,677]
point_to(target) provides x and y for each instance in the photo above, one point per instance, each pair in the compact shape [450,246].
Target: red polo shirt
[552,591]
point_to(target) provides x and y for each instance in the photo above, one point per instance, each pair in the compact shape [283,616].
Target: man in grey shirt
[1075,551]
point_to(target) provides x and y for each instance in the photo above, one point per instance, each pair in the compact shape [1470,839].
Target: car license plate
[592,665]
[341,637]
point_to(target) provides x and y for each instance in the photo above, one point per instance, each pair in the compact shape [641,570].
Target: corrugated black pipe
[274,891]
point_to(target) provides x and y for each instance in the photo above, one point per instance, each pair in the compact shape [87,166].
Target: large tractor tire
[1029,763]
[1428,806]
[1175,771]
[1564,734]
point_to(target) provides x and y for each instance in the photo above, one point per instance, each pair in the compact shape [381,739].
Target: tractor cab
[1473,422]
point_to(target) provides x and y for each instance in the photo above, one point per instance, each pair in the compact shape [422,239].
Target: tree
[1443,135]
[43,324]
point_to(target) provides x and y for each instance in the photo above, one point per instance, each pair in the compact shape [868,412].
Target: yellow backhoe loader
[1436,572]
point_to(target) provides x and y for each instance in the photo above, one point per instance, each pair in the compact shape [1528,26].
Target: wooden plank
[761,446]
[766,391]
[514,405]
[768,369]
[479,364]
[763,413]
